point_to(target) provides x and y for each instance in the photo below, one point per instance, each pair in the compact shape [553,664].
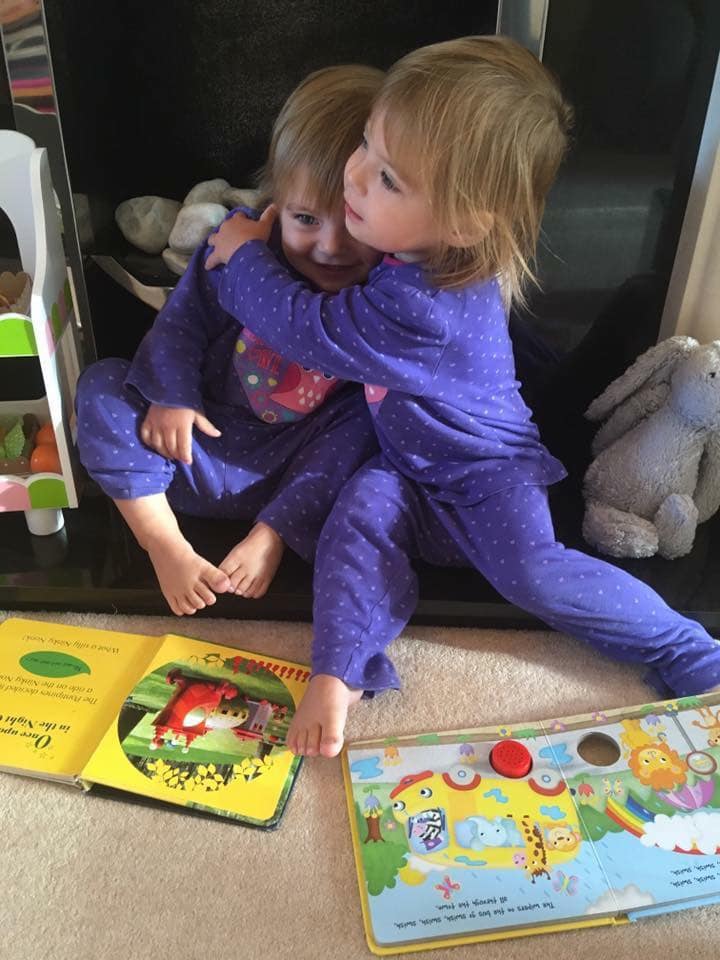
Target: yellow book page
[205,727]
[60,688]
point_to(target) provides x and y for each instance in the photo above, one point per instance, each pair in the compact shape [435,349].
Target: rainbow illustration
[631,817]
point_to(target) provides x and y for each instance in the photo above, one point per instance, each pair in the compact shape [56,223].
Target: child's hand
[237,230]
[169,430]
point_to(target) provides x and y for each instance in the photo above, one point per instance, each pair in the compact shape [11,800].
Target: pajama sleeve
[385,333]
[168,366]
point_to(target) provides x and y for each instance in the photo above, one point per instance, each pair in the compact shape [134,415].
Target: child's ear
[472,232]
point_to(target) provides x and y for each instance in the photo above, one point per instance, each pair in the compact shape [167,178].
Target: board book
[497,832]
[168,719]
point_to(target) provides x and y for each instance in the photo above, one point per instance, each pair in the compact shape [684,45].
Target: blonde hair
[482,127]
[320,124]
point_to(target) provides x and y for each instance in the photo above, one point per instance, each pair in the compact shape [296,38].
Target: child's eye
[388,182]
[306,219]
[363,142]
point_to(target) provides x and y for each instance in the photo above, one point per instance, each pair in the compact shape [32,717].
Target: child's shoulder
[483,294]
[402,293]
[403,283]
[412,280]
[392,273]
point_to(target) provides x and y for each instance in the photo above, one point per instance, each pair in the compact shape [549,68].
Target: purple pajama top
[195,355]
[437,366]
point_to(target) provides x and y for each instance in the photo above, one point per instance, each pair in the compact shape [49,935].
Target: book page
[205,727]
[60,688]
[487,833]
[647,792]
[452,844]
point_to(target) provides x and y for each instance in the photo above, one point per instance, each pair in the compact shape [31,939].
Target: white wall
[692,307]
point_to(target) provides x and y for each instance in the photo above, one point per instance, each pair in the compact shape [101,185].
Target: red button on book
[510,759]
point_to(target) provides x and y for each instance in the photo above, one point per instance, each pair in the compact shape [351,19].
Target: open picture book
[498,832]
[169,719]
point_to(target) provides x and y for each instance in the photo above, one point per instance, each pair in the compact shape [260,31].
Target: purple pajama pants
[366,588]
[286,475]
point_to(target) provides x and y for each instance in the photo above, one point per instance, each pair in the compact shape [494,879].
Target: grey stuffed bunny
[656,472]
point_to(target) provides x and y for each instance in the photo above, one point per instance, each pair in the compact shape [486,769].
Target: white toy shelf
[47,330]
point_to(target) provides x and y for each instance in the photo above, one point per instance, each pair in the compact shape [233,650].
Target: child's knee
[373,488]
[100,379]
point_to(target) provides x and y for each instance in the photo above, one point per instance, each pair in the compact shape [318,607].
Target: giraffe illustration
[535,864]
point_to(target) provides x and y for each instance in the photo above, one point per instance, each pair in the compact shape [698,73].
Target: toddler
[462,143]
[208,419]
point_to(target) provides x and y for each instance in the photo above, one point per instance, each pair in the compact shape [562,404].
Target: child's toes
[250,590]
[260,588]
[242,584]
[204,592]
[195,600]
[312,746]
[332,736]
[331,744]
[217,580]
[301,742]
[174,604]
[296,738]
[235,579]
[184,606]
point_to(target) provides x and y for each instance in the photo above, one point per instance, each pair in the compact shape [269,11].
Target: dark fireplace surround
[155,97]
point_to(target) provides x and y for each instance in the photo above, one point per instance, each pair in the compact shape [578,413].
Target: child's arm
[168,365]
[385,333]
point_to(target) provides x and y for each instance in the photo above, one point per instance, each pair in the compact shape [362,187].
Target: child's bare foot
[252,564]
[187,580]
[319,723]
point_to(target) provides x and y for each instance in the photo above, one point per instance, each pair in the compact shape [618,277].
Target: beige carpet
[86,878]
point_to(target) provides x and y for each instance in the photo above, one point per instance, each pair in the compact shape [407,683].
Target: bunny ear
[651,367]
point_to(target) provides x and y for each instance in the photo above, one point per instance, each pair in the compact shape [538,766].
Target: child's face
[317,244]
[382,208]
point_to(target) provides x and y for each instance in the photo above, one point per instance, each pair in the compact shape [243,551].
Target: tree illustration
[372,811]
[382,860]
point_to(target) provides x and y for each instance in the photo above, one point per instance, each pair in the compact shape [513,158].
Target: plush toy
[656,472]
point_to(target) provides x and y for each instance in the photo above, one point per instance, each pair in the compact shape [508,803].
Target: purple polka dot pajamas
[461,477]
[291,436]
